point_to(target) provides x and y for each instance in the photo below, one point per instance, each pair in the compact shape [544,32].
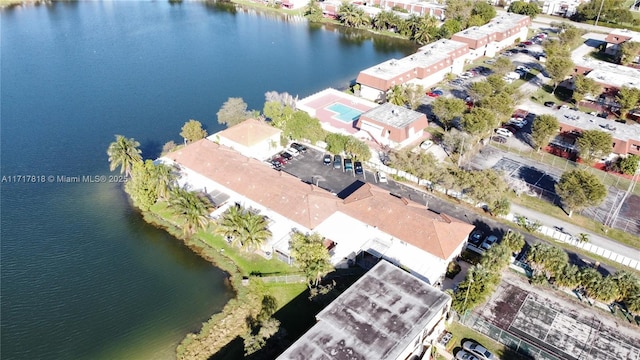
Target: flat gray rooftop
[500,23]
[392,115]
[426,56]
[590,122]
[376,318]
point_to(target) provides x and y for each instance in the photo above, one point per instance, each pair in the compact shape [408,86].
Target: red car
[435,93]
[528,43]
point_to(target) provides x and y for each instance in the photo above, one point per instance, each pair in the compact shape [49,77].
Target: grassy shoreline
[229,324]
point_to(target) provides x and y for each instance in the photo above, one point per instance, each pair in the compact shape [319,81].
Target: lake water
[83,277]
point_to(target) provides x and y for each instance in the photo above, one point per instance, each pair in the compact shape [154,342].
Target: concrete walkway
[574,230]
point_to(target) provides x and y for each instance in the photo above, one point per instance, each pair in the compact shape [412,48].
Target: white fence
[568,239]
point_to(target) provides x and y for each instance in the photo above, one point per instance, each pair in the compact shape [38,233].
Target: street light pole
[464,306]
[599,11]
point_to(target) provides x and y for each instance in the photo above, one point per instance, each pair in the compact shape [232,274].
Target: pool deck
[317,105]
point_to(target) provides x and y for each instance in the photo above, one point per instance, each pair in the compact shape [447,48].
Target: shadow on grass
[296,317]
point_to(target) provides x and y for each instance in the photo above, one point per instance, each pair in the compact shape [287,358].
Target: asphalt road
[309,168]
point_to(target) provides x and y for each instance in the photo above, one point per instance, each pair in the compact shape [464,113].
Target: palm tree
[569,277]
[627,282]
[192,208]
[607,290]
[255,232]
[124,153]
[166,178]
[590,280]
[397,95]
[583,238]
[246,230]
[513,240]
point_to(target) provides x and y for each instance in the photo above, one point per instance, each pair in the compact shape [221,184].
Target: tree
[583,237]
[414,93]
[459,10]
[313,11]
[300,125]
[243,228]
[628,98]
[447,109]
[311,256]
[165,180]
[558,68]
[351,15]
[500,207]
[482,11]
[590,280]
[514,241]
[583,86]
[627,284]
[594,144]
[142,187]
[474,289]
[571,37]
[628,52]
[478,121]
[124,153]
[397,95]
[479,90]
[496,258]
[168,147]
[579,189]
[424,32]
[547,259]
[193,131]
[502,67]
[629,164]
[524,8]
[501,105]
[357,148]
[606,290]
[192,209]
[450,27]
[544,127]
[336,142]
[569,277]
[486,186]
[233,112]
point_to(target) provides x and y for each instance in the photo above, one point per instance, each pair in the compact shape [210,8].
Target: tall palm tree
[590,280]
[245,229]
[192,208]
[166,178]
[397,95]
[124,153]
[607,290]
[514,240]
[569,277]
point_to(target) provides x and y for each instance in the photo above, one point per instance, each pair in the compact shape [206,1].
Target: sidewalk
[574,230]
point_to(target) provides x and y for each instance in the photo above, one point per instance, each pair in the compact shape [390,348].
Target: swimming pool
[344,113]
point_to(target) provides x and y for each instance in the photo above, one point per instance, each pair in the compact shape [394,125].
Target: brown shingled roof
[438,234]
[309,205]
[249,132]
[305,204]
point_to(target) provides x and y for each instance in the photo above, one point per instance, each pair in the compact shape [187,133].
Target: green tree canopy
[143,185]
[524,8]
[580,189]
[629,164]
[555,48]
[124,153]
[421,164]
[628,98]
[571,37]
[484,11]
[357,148]
[459,10]
[233,112]
[558,68]
[311,256]
[502,66]
[594,144]
[397,95]
[479,90]
[313,11]
[336,142]
[478,121]
[568,277]
[192,131]
[583,86]
[352,16]
[513,240]
[544,127]
[548,259]
[487,186]
[628,52]
[446,109]
[414,93]
[245,229]
[191,208]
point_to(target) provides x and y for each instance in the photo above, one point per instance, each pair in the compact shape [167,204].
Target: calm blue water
[345,113]
[83,277]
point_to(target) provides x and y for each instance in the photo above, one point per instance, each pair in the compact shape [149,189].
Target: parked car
[457,81]
[489,241]
[301,148]
[528,43]
[504,132]
[426,144]
[337,162]
[326,160]
[523,68]
[358,168]
[348,164]
[476,237]
[499,139]
[478,350]
[435,93]
[463,355]
[517,122]
[382,177]
[286,155]
[279,159]
[549,104]
[293,151]
[564,107]
[490,61]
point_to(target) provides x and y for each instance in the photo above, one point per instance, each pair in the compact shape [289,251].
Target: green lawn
[285,293]
[462,333]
